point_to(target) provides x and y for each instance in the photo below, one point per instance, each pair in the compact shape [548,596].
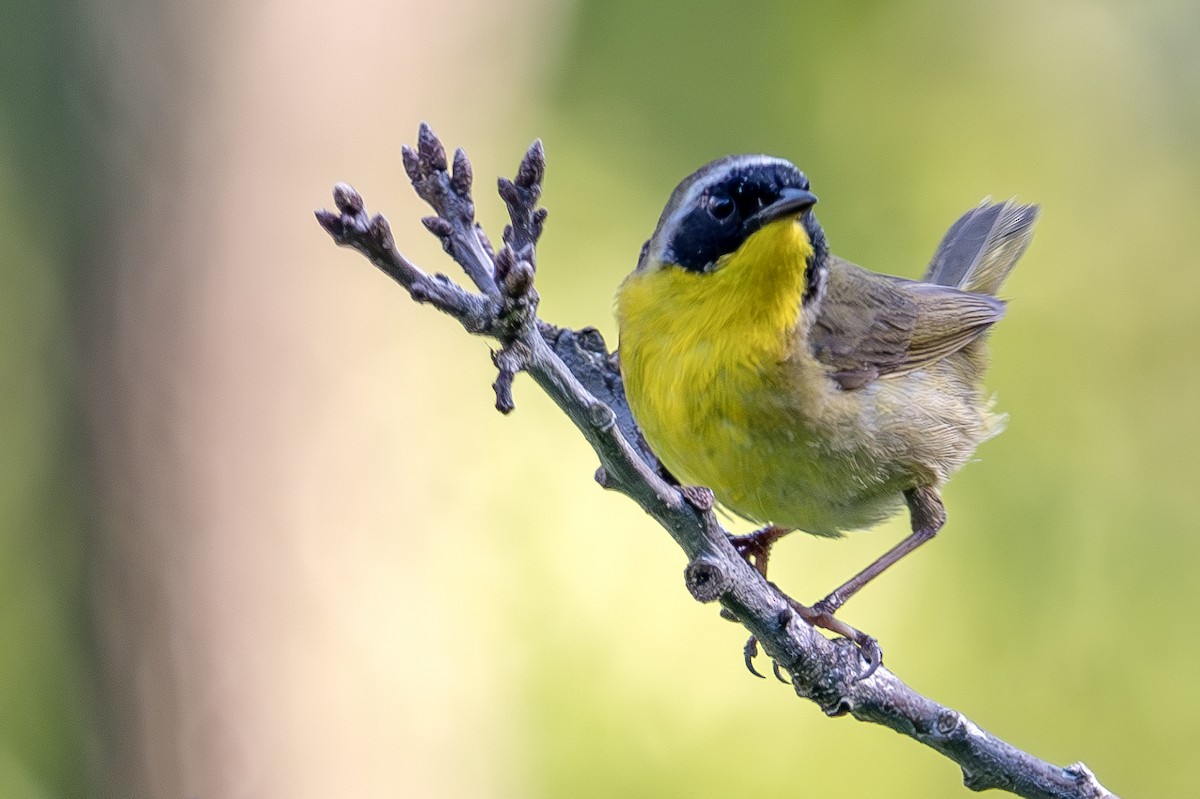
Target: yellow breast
[702,356]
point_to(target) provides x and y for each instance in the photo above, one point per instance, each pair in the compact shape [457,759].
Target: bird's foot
[756,547]
[821,615]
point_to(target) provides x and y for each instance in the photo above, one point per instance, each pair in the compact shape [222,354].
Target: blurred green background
[261,533]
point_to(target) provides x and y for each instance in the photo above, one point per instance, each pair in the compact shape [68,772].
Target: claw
[872,657]
[751,651]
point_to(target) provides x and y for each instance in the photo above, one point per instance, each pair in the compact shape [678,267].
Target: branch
[576,370]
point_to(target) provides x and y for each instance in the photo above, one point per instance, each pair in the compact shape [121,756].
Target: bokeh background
[262,535]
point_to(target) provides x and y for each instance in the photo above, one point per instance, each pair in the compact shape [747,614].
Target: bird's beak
[791,202]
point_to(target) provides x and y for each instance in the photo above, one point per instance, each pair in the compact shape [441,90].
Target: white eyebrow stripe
[697,183]
[721,168]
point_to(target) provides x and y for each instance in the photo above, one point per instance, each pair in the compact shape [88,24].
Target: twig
[576,370]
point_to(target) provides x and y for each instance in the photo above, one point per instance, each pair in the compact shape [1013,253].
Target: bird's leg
[928,515]
[756,547]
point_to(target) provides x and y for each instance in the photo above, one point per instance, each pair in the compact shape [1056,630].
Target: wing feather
[869,325]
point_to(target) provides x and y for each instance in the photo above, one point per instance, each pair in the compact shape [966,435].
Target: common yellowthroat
[809,393]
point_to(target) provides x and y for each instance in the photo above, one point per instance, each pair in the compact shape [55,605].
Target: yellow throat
[701,352]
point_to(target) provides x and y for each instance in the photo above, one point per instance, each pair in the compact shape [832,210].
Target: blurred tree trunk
[250,583]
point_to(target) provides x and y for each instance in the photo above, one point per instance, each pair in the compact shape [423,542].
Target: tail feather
[982,247]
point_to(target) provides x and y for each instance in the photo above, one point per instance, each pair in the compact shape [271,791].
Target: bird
[806,392]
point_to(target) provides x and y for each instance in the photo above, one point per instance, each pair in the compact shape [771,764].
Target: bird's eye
[721,207]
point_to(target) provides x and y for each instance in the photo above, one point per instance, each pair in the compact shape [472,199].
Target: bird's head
[733,213]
